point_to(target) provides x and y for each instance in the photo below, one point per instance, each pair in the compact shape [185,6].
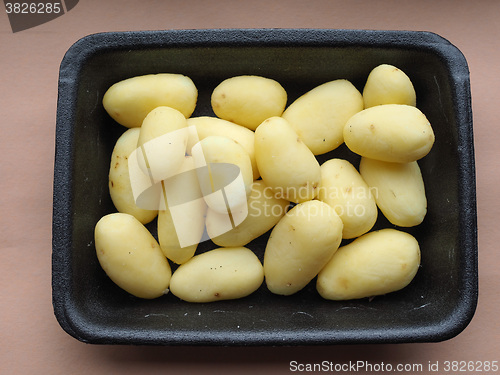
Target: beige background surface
[30,338]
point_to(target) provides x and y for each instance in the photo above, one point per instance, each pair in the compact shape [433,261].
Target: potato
[182,223]
[216,275]
[264,212]
[285,163]
[343,188]
[131,257]
[376,263]
[224,172]
[387,84]
[120,188]
[163,140]
[399,190]
[390,132]
[129,101]
[206,126]
[248,100]
[300,245]
[319,116]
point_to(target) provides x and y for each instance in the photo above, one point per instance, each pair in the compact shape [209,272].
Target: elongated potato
[300,245]
[391,132]
[129,101]
[343,188]
[387,84]
[206,126]
[319,116]
[374,264]
[120,188]
[162,140]
[182,223]
[216,275]
[264,212]
[131,257]
[248,100]
[398,188]
[224,172]
[285,163]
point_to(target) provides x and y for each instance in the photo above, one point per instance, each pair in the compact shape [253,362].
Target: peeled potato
[216,275]
[300,245]
[387,84]
[131,257]
[376,263]
[248,100]
[129,101]
[398,189]
[395,133]
[318,117]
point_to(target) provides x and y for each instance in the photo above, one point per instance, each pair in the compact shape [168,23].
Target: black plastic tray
[437,305]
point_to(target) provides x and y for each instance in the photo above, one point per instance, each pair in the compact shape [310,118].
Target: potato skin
[395,133]
[248,100]
[264,212]
[386,84]
[206,126]
[129,101]
[300,245]
[343,188]
[285,163]
[216,275]
[120,188]
[318,117]
[376,263]
[399,190]
[131,257]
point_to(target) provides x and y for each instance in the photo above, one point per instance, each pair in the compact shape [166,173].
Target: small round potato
[131,257]
[224,172]
[120,188]
[343,188]
[248,100]
[376,263]
[300,245]
[319,116]
[387,84]
[285,163]
[182,223]
[264,212]
[129,101]
[216,275]
[206,126]
[398,188]
[395,133]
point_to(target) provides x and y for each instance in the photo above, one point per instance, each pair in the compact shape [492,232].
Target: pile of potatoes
[310,208]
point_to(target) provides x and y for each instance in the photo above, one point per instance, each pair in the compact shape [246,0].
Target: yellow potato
[120,188]
[206,126]
[224,172]
[319,116]
[300,245]
[131,257]
[387,84]
[216,275]
[162,140]
[182,223]
[343,188]
[285,163]
[264,212]
[391,132]
[398,188]
[248,100]
[374,264]
[129,101]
